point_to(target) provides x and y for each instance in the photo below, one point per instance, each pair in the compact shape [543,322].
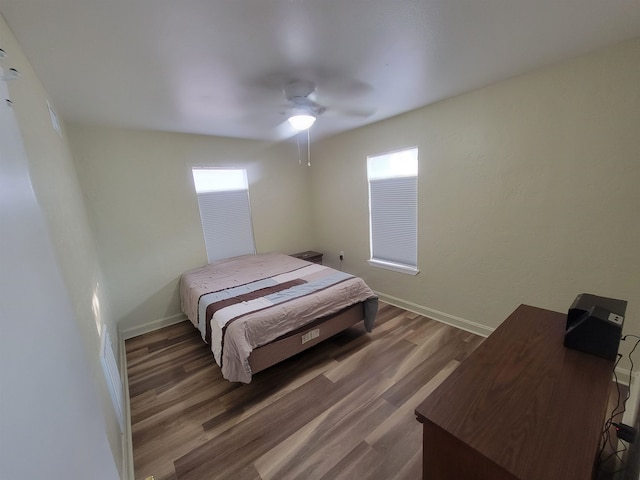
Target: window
[225,212]
[393,210]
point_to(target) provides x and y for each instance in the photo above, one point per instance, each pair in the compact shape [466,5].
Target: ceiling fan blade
[284,131]
[361,112]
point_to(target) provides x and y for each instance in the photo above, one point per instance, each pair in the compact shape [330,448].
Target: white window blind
[225,212]
[393,209]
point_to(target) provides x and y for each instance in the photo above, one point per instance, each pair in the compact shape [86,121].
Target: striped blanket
[241,303]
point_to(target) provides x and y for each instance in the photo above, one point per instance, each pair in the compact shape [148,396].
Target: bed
[257,310]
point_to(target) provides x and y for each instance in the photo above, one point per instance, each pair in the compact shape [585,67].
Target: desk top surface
[523,400]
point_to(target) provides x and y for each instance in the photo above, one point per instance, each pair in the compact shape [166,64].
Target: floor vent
[112,375]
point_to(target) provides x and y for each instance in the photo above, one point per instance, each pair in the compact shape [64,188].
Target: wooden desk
[522,406]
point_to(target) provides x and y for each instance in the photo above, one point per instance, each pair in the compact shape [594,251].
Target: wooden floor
[341,410]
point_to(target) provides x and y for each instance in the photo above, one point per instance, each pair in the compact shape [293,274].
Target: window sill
[396,267]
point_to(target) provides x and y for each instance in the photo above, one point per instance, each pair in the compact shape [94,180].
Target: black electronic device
[594,325]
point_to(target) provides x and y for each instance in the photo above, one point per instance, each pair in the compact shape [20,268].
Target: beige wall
[143,209]
[55,184]
[529,192]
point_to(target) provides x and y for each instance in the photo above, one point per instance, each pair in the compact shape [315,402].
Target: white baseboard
[631,410]
[136,330]
[452,320]
[127,442]
[623,376]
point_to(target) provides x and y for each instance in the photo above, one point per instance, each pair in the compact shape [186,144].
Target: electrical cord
[617,455]
[606,436]
[624,404]
[612,442]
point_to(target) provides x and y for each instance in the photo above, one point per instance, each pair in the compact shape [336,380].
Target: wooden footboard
[303,338]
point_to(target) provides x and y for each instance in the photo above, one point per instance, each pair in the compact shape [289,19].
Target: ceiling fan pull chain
[299,153]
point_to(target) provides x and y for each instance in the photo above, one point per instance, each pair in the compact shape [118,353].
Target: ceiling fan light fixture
[302,121]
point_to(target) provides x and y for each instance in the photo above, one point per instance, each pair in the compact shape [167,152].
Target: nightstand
[309,256]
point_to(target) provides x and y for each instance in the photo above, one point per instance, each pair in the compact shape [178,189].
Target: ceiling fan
[304,110]
[303,107]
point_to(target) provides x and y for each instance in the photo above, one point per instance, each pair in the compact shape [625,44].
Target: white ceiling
[218,67]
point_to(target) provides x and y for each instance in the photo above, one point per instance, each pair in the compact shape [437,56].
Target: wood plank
[306,416]
[342,410]
[228,453]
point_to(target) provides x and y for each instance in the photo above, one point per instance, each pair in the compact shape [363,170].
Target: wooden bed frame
[305,337]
